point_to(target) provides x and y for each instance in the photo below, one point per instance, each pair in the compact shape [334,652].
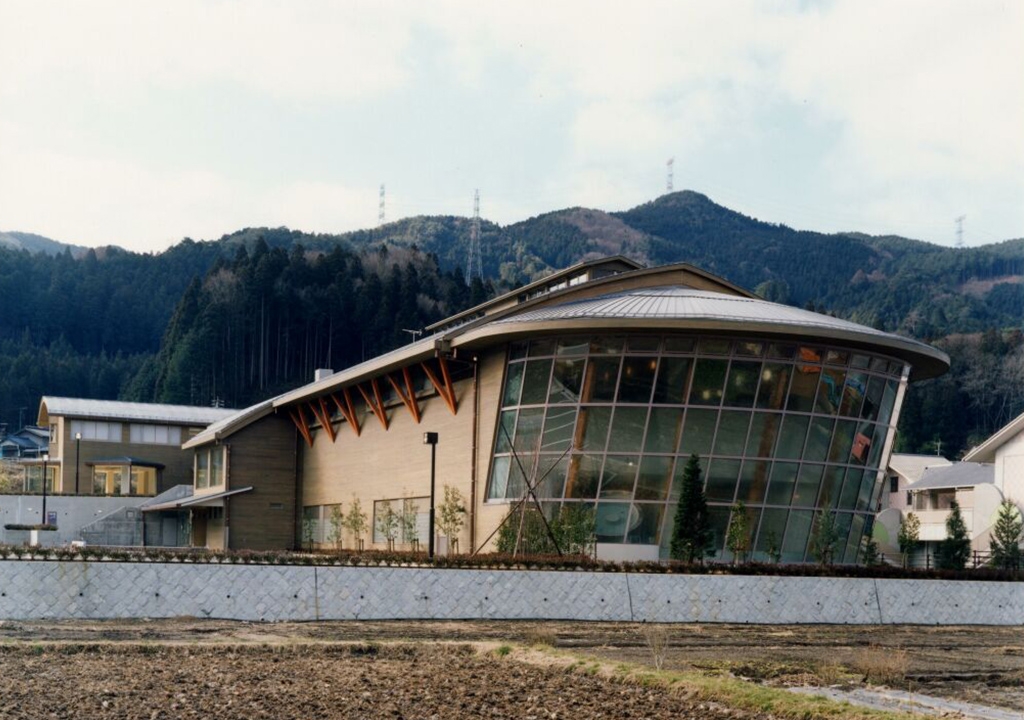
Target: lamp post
[78,449]
[430,438]
[46,458]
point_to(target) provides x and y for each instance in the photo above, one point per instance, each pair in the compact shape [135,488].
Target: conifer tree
[909,535]
[1006,536]
[691,530]
[954,552]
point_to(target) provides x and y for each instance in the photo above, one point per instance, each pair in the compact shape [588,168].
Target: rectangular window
[202,469]
[210,464]
[97,431]
[403,520]
[894,483]
[154,434]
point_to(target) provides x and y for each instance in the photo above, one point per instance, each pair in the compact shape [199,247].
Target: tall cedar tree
[691,530]
[1006,536]
[954,552]
[909,535]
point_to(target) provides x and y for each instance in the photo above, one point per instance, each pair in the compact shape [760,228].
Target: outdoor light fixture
[78,452]
[430,438]
[46,458]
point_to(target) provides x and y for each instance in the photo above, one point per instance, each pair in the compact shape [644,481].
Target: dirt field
[192,668]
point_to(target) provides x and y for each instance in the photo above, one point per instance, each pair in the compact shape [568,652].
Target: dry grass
[882,665]
[656,638]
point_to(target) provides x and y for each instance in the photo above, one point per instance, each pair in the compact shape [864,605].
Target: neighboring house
[594,384]
[29,442]
[904,470]
[973,487]
[1005,451]
[106,447]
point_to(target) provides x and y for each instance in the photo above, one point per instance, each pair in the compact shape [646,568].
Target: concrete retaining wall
[90,590]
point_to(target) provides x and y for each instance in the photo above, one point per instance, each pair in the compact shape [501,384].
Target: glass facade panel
[794,547]
[627,429]
[803,388]
[771,395]
[645,531]
[513,385]
[753,481]
[698,431]
[830,391]
[663,430]
[584,477]
[527,438]
[551,476]
[619,477]
[732,432]
[592,428]
[764,429]
[708,382]
[558,429]
[780,489]
[818,438]
[718,519]
[637,379]
[655,475]
[602,376]
[609,422]
[807,485]
[792,436]
[535,382]
[741,389]
[720,485]
[566,381]
[613,519]
[673,381]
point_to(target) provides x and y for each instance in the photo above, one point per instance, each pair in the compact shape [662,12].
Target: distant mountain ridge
[36,243]
[90,321]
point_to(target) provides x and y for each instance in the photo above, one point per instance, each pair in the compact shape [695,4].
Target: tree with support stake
[691,529]
[519,509]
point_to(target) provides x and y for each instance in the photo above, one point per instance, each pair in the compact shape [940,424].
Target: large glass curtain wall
[787,429]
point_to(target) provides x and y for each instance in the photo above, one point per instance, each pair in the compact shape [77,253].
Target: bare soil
[191,668]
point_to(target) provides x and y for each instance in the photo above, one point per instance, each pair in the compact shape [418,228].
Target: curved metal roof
[687,308]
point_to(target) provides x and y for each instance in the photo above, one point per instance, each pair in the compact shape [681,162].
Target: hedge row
[381,558]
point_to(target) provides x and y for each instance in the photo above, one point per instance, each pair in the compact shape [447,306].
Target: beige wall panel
[379,464]
[262,456]
[215,533]
[492,376]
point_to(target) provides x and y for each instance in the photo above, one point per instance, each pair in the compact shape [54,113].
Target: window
[97,431]
[404,520]
[210,467]
[155,434]
[894,483]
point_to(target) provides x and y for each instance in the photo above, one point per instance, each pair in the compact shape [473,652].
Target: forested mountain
[262,322]
[36,243]
[239,318]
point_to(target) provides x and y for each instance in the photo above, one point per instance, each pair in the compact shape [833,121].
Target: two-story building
[107,447]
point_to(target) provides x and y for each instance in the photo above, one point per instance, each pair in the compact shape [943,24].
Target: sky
[140,123]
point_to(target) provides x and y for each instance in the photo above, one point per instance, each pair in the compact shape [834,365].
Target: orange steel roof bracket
[441,388]
[407,394]
[300,422]
[375,403]
[325,418]
[348,410]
